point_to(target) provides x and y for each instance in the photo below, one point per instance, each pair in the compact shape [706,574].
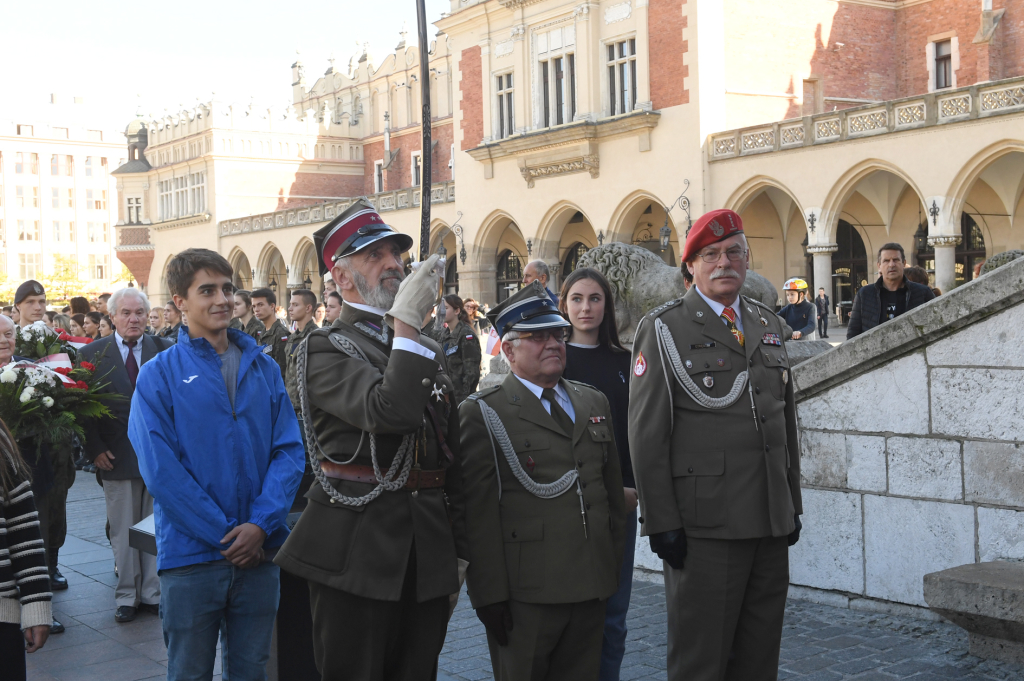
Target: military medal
[771,339]
[596,419]
[437,393]
[764,322]
[530,463]
[709,380]
[721,362]
[785,377]
[689,364]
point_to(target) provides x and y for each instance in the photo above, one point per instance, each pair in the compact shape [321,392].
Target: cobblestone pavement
[820,643]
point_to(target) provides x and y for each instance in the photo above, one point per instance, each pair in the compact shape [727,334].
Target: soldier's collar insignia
[379,334]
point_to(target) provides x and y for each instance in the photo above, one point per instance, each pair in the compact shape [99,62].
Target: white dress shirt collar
[560,393]
[718,307]
[123,349]
[367,308]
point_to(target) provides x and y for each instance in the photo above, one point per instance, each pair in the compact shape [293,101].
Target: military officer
[243,317]
[380,541]
[300,311]
[275,338]
[545,511]
[712,428]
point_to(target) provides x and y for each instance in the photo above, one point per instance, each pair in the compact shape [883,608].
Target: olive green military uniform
[536,553]
[462,350]
[291,372]
[725,468]
[274,340]
[254,327]
[380,574]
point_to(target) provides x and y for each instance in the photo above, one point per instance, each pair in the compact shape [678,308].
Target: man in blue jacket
[219,449]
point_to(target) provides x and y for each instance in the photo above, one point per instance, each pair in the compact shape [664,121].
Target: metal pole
[425,153]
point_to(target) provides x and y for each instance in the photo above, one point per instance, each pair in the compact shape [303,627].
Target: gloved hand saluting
[417,294]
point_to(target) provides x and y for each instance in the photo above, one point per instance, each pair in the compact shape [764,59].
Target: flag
[493,343]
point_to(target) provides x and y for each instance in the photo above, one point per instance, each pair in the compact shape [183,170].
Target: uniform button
[767,448]
[588,507]
[579,462]
[426,382]
[583,484]
[706,365]
[751,361]
[757,390]
[689,470]
[763,419]
[640,520]
[514,535]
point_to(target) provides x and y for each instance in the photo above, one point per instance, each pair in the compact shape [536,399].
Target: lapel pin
[515,398]
[689,364]
[721,362]
[709,381]
[764,322]
[699,313]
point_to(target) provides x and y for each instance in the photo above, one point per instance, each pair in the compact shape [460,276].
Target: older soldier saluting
[545,511]
[712,428]
[377,543]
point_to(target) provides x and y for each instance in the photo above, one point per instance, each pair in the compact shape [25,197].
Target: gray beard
[379,296]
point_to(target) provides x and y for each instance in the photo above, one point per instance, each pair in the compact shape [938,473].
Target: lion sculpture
[641,281]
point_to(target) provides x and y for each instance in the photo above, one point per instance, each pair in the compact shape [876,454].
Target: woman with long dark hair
[594,355]
[461,348]
[91,324]
[25,613]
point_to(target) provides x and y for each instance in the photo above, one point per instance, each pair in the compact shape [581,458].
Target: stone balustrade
[937,108]
[402,199]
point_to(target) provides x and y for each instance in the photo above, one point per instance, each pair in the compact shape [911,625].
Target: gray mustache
[724,274]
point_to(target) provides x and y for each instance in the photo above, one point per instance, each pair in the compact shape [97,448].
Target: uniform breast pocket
[600,433]
[529,448]
[777,369]
[699,482]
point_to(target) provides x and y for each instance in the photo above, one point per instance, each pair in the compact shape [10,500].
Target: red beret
[709,229]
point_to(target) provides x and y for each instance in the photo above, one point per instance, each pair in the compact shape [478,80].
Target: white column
[945,261]
[822,254]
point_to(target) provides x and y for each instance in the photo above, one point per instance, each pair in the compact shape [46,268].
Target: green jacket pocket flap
[524,530]
[524,444]
[698,463]
[600,433]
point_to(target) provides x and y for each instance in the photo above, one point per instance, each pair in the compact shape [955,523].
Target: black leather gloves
[497,618]
[794,536]
[670,547]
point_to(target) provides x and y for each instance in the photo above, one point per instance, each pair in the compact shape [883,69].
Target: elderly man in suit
[119,357]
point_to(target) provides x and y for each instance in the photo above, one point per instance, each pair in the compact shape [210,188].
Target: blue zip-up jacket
[210,467]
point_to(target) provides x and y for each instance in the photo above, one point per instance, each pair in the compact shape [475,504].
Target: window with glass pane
[54,165]
[56,230]
[55,197]
[506,116]
[943,64]
[71,231]
[415,170]
[28,230]
[88,166]
[622,76]
[71,198]
[89,198]
[34,159]
[19,197]
[19,163]
[35,197]
[28,265]
[546,84]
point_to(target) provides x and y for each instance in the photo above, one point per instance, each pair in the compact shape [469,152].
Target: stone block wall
[911,445]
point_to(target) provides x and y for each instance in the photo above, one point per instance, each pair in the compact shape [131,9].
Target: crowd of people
[363,411]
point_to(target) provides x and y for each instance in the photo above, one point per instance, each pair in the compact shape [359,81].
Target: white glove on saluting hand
[417,294]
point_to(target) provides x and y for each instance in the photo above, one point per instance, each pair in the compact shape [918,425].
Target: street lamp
[307,281]
[665,234]
[273,283]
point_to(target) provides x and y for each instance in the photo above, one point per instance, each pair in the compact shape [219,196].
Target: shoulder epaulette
[483,393]
[581,383]
[664,306]
[758,303]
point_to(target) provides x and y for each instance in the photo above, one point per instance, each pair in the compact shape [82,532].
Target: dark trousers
[725,610]
[822,326]
[550,642]
[12,651]
[52,507]
[362,639]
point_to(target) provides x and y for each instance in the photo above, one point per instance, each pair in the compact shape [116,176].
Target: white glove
[417,294]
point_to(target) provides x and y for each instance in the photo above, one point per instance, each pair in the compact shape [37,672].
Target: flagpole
[425,153]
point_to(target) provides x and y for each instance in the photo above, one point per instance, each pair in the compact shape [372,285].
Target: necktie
[729,315]
[130,364]
[557,413]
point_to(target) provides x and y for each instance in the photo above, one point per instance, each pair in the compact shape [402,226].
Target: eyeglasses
[734,254]
[542,336]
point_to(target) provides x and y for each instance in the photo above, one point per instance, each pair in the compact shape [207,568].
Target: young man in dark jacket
[219,449]
[821,303]
[889,297]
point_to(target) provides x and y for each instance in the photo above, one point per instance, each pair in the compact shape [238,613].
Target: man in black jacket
[119,357]
[889,297]
[822,305]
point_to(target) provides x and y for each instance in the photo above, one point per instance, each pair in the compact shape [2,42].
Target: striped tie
[729,315]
